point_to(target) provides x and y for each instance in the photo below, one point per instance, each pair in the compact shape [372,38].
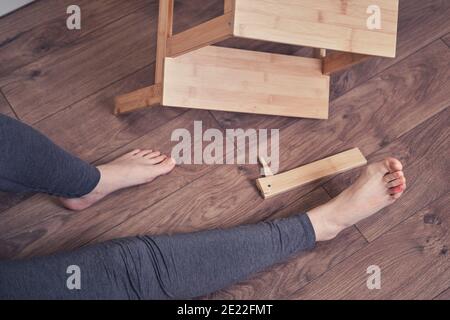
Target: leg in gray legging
[30,162]
[160,267]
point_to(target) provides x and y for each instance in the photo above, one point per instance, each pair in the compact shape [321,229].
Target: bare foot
[131,169]
[379,185]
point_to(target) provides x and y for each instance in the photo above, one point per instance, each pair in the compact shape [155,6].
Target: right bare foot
[379,185]
[131,169]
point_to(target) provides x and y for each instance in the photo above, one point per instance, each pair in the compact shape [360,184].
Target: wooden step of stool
[217,78]
[323,24]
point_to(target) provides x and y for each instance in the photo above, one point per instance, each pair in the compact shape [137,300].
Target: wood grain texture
[188,14]
[244,81]
[91,64]
[210,32]
[145,97]
[225,197]
[413,258]
[446,39]
[444,295]
[40,28]
[403,94]
[420,23]
[336,25]
[286,181]
[8,200]
[374,114]
[417,158]
[5,108]
[427,74]
[284,279]
[100,132]
[229,5]
[165,28]
[40,226]
[338,61]
[386,107]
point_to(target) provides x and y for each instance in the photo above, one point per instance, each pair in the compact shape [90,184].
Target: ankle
[325,225]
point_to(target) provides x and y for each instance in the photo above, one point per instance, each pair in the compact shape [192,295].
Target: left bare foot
[131,169]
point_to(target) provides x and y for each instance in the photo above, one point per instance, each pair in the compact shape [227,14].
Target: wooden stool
[192,73]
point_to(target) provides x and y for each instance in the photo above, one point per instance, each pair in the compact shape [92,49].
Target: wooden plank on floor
[273,185]
[413,258]
[226,198]
[284,279]
[40,28]
[372,115]
[420,23]
[377,122]
[40,226]
[324,24]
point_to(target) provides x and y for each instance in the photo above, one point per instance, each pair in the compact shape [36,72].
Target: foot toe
[154,154]
[157,159]
[143,153]
[132,153]
[393,176]
[396,182]
[166,166]
[397,189]
[393,165]
[397,195]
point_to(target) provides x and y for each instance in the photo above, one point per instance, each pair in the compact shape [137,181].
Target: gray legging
[147,267]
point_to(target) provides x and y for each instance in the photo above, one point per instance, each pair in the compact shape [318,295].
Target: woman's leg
[160,267]
[191,265]
[30,162]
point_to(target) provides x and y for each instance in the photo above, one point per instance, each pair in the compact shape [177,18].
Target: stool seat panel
[330,24]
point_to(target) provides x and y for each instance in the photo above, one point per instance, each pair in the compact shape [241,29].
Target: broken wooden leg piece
[145,97]
[266,169]
[286,181]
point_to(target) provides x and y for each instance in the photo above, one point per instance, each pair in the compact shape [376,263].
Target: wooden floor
[63,82]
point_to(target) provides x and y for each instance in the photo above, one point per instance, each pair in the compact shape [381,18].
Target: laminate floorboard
[63,83]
